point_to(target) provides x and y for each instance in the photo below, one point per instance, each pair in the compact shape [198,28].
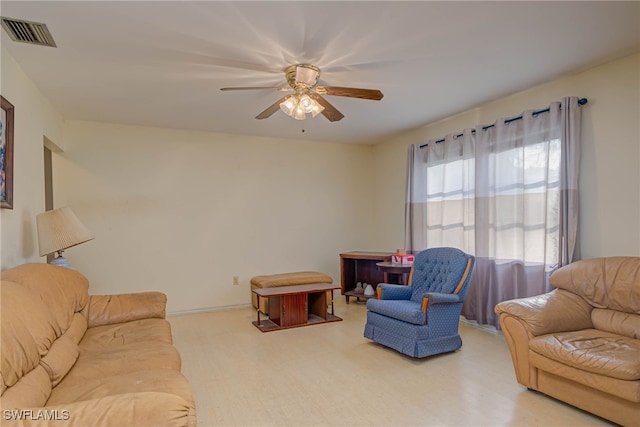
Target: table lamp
[60,229]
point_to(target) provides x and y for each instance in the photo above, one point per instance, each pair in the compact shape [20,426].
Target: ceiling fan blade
[271,109]
[330,112]
[278,88]
[351,92]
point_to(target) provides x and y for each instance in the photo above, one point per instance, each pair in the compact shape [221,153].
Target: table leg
[258,310]
[332,303]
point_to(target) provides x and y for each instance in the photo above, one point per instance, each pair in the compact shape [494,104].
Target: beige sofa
[580,343]
[73,359]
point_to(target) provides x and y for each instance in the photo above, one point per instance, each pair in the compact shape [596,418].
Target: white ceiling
[162,63]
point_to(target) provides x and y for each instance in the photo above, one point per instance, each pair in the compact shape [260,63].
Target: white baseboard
[206,310]
[488,328]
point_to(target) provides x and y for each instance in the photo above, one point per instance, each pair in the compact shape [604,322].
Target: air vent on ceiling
[28,32]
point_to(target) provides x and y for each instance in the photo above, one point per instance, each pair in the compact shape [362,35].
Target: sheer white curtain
[506,193]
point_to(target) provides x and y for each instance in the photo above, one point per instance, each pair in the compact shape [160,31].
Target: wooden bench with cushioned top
[284,279]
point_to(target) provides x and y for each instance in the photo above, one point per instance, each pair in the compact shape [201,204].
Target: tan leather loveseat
[580,343]
[71,359]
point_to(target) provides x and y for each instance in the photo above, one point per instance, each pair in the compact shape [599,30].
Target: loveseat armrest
[110,309]
[390,291]
[524,318]
[555,311]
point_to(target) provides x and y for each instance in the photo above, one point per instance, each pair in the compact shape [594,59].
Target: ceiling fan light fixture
[299,113]
[288,105]
[317,109]
[306,103]
[299,105]
[303,80]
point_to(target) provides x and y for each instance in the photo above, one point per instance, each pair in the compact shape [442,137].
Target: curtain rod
[581,101]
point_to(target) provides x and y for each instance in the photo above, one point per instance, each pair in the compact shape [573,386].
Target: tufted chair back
[440,270]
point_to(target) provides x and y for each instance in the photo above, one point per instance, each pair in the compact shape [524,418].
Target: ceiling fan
[307,97]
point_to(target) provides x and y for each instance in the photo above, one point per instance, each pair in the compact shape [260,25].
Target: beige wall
[183,212]
[610,167]
[35,119]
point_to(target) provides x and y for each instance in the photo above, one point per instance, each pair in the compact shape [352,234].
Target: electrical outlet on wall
[236,281]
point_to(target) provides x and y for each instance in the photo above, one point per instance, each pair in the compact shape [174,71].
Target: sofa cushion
[610,282]
[155,408]
[60,359]
[616,322]
[64,291]
[33,389]
[548,368]
[23,306]
[109,309]
[593,351]
[168,381]
[129,332]
[28,330]
[64,352]
[102,362]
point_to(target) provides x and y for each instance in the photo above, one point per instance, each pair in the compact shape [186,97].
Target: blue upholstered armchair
[422,319]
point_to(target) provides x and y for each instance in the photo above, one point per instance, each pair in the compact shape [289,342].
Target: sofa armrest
[110,309]
[143,409]
[555,311]
[522,319]
[390,291]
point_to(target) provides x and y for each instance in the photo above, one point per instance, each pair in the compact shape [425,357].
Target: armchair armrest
[442,311]
[438,298]
[390,291]
[110,309]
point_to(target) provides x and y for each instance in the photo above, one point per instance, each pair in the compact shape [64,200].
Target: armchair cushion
[408,310]
[390,292]
[445,270]
[405,310]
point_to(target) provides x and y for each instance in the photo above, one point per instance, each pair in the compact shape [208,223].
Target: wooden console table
[360,267]
[294,306]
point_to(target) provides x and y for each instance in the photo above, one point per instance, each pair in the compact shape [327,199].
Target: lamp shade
[60,229]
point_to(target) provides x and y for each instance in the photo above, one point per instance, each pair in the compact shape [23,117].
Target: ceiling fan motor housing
[302,75]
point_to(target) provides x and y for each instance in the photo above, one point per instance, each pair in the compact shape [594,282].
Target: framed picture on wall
[6,155]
